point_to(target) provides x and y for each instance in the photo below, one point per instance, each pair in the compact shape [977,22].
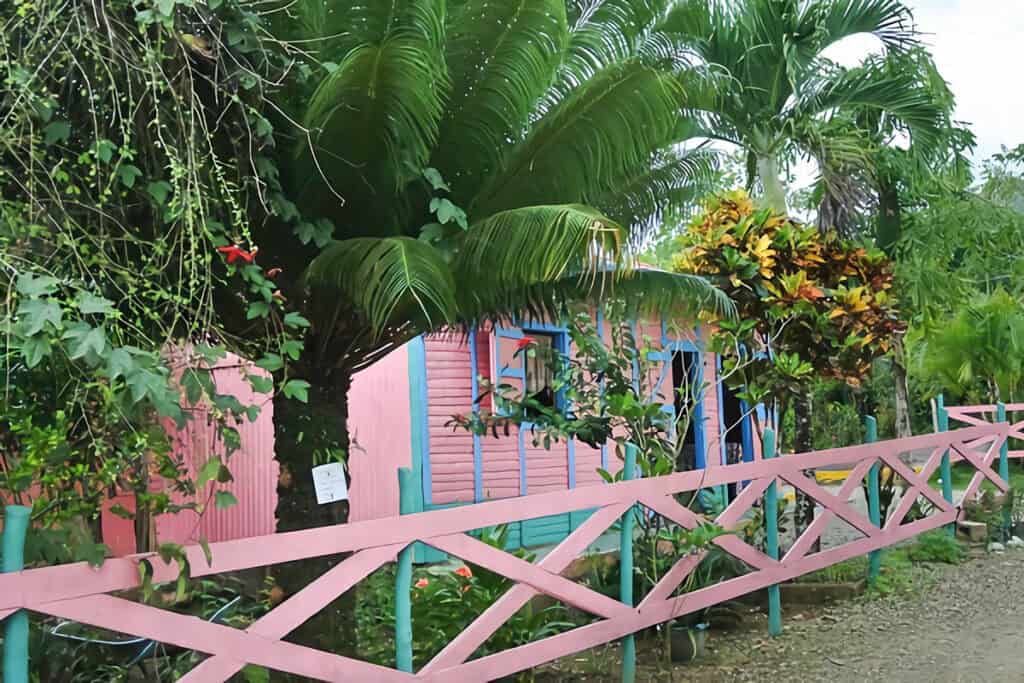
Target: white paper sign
[329,482]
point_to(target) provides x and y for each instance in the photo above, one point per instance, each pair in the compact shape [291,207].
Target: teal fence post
[626,570]
[942,422]
[403,577]
[16,519]
[874,504]
[1004,468]
[771,523]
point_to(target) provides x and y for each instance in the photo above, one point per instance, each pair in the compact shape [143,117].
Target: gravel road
[967,624]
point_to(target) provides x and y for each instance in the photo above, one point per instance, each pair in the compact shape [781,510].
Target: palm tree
[471,160]
[780,96]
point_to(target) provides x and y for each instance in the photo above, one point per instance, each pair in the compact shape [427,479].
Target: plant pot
[688,642]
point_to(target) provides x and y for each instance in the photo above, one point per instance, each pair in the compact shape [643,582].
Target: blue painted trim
[522,459]
[747,433]
[672,347]
[600,333]
[513,373]
[636,361]
[721,409]
[571,450]
[418,419]
[478,457]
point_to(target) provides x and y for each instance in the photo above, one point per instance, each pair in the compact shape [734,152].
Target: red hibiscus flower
[525,342]
[465,572]
[422,583]
[236,253]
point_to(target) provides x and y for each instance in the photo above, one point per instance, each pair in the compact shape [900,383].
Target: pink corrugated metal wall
[253,467]
[379,423]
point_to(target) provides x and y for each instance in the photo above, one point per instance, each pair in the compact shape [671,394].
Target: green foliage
[821,305]
[936,546]
[130,164]
[977,351]
[444,602]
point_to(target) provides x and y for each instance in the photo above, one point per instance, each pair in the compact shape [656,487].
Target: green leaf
[433,177]
[257,309]
[270,362]
[166,7]
[120,363]
[297,389]
[255,674]
[34,349]
[143,383]
[93,553]
[56,131]
[292,348]
[159,191]
[210,471]
[260,384]
[127,173]
[35,314]
[446,212]
[319,233]
[293,319]
[222,500]
[211,354]
[32,286]
[105,150]
[90,304]
[204,543]
[85,340]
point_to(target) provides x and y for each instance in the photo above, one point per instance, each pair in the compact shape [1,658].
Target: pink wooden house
[399,408]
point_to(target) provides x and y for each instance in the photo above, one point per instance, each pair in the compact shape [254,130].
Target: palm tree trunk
[803,513]
[317,429]
[902,389]
[774,190]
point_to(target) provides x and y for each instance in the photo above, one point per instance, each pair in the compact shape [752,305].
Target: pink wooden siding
[379,423]
[253,467]
[449,391]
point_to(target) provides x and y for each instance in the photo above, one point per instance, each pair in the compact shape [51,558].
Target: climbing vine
[135,150]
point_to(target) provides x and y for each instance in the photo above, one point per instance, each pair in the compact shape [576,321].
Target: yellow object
[839,476]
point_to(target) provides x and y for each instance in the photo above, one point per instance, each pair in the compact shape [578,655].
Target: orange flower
[422,583]
[464,572]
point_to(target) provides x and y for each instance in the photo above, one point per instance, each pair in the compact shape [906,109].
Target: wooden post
[626,570]
[1004,468]
[403,577]
[942,422]
[771,522]
[16,521]
[874,504]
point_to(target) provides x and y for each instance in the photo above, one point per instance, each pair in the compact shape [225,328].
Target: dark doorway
[685,376]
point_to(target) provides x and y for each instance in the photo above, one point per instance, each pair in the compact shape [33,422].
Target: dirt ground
[962,623]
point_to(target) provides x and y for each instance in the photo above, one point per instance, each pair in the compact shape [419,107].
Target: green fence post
[942,421]
[1004,468]
[874,504]
[626,570]
[16,520]
[771,522]
[403,577]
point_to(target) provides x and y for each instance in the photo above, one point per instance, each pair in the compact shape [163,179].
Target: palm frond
[386,282]
[671,181]
[830,21]
[376,114]
[900,95]
[502,58]
[604,33]
[584,146]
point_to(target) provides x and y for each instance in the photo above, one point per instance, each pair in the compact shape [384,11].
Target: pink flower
[464,572]
[525,342]
[422,583]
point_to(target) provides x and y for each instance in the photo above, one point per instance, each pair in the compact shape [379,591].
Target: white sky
[978,46]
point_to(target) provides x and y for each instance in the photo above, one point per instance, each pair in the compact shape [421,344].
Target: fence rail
[81,593]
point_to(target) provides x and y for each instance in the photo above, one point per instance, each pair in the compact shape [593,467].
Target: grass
[962,473]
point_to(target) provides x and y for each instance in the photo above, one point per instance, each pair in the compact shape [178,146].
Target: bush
[936,546]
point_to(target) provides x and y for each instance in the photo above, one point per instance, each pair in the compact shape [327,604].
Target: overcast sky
[979,48]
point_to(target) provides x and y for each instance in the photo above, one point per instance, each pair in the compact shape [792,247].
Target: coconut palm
[784,96]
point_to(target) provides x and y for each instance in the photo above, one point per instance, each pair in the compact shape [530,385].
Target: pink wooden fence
[986,414]
[80,593]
